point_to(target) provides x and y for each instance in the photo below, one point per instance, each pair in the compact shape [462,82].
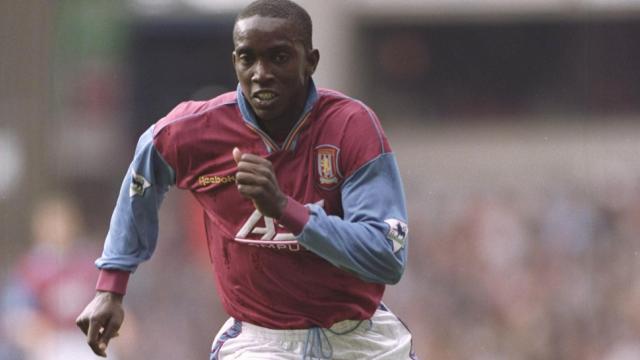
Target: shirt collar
[249,116]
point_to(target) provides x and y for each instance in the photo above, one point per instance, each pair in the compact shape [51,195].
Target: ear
[233,58]
[313,57]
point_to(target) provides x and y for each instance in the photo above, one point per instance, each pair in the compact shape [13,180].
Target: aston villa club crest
[327,166]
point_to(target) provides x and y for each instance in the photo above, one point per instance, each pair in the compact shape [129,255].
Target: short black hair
[282,9]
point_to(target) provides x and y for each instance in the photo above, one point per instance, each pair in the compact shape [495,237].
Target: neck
[278,129]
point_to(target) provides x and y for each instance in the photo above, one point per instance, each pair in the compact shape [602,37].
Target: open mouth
[264,98]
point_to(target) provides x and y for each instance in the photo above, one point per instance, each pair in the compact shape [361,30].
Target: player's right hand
[256,180]
[101,320]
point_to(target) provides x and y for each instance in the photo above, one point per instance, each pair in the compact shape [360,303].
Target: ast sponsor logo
[263,231]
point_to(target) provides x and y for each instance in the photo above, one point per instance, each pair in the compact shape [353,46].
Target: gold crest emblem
[327,166]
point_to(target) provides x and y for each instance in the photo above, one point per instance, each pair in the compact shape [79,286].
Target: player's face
[273,67]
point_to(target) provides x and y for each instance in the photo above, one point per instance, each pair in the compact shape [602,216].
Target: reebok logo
[215,180]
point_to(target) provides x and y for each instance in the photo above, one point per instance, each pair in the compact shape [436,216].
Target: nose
[261,72]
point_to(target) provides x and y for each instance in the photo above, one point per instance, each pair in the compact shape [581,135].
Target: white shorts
[383,337]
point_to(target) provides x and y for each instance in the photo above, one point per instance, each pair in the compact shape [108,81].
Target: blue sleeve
[371,239]
[133,231]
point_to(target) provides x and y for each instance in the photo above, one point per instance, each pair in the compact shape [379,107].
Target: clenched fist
[256,181]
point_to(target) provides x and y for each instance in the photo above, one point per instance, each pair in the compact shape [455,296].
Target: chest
[308,171]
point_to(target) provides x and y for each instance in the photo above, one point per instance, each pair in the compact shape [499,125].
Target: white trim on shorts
[383,337]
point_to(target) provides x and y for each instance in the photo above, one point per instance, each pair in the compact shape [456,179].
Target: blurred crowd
[47,285]
[526,275]
[495,274]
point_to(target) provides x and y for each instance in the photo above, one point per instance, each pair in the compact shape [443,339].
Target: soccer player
[303,202]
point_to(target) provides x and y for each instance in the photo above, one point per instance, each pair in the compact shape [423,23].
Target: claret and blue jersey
[342,236]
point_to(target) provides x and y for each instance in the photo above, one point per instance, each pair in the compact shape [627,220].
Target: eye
[280,58]
[245,59]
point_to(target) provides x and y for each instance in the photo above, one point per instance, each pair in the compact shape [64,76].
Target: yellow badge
[327,168]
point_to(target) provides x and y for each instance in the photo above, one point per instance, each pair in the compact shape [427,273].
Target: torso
[276,283]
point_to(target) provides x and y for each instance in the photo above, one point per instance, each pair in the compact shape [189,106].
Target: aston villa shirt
[342,235]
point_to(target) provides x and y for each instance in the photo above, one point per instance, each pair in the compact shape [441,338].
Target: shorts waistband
[337,329]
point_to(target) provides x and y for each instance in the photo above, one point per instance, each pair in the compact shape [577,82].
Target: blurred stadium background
[516,125]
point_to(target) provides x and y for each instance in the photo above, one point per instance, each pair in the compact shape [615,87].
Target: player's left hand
[256,181]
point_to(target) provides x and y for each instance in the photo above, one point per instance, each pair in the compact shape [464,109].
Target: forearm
[133,230]
[360,247]
[370,240]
